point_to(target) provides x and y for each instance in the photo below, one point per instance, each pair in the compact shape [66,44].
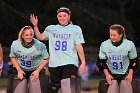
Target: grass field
[92,85]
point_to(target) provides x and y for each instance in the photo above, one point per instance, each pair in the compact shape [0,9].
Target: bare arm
[34,21]
[43,64]
[80,51]
[129,77]
[15,64]
[19,70]
[108,76]
[35,74]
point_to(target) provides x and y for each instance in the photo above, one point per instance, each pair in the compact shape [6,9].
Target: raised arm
[34,21]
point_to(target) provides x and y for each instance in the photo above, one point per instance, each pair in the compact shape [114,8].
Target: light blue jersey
[62,41]
[118,58]
[29,58]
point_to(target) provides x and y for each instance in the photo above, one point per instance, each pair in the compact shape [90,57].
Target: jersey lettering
[61,46]
[117,65]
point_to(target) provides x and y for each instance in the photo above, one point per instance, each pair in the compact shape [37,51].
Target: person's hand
[109,79]
[34,76]
[128,78]
[20,74]
[82,69]
[34,20]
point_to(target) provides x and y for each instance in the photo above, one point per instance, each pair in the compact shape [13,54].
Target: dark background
[93,16]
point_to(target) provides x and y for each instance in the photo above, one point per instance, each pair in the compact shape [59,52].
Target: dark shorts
[62,72]
[119,77]
[27,73]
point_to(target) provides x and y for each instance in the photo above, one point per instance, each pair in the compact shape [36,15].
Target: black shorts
[119,77]
[27,73]
[62,72]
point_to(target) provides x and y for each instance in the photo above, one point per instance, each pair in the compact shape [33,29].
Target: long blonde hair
[22,32]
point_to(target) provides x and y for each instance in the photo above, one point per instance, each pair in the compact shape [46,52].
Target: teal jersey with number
[29,58]
[118,58]
[62,41]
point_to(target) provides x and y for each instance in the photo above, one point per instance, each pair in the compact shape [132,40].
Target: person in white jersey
[118,60]
[65,40]
[29,56]
[1,59]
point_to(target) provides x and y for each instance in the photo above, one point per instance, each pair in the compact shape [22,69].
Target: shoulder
[16,42]
[106,42]
[75,26]
[37,42]
[51,26]
[128,42]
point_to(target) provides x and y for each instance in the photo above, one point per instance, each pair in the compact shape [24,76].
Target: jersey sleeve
[102,54]
[45,54]
[132,53]
[46,32]
[79,36]
[12,52]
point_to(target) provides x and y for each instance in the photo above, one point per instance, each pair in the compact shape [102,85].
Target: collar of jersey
[117,43]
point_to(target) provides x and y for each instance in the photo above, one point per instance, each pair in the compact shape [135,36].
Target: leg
[15,85]
[71,85]
[136,86]
[103,86]
[114,88]
[20,86]
[44,80]
[125,88]
[9,84]
[53,88]
[55,77]
[34,87]
[70,82]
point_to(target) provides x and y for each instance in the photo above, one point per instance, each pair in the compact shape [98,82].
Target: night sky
[93,16]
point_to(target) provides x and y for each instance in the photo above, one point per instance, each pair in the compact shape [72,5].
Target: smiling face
[115,36]
[27,35]
[63,18]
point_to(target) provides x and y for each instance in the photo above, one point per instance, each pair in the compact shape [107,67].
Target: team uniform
[63,60]
[118,61]
[29,59]
[118,58]
[62,40]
